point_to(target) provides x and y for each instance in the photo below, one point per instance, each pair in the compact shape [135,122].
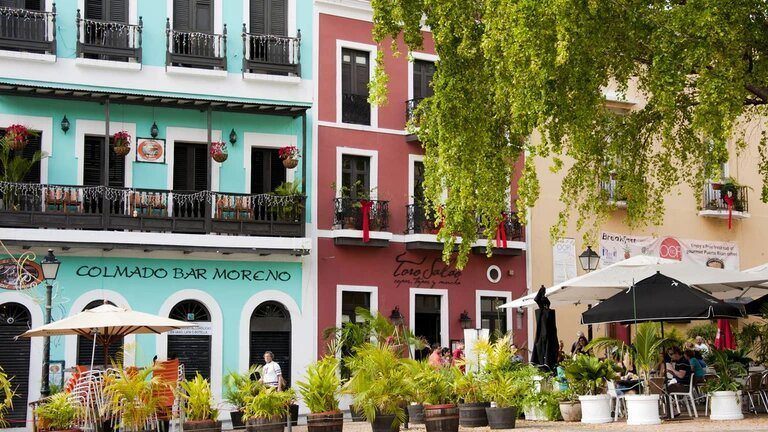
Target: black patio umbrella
[757,307]
[545,346]
[660,298]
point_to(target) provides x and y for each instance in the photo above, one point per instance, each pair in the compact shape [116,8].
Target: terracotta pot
[330,421]
[290,163]
[220,157]
[121,150]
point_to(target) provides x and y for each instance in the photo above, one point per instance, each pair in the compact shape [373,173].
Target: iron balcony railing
[410,108]
[349,214]
[715,197]
[28,30]
[419,220]
[28,205]
[108,40]
[270,54]
[196,49]
[513,229]
[355,109]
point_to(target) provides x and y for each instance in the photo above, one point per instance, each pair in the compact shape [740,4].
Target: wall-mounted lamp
[466,321]
[232,137]
[154,130]
[396,317]
[589,259]
[65,124]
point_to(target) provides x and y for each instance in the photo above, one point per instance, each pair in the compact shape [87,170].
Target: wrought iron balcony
[513,229]
[28,30]
[270,54]
[715,198]
[419,221]
[26,205]
[355,109]
[349,213]
[612,194]
[196,49]
[410,108]
[108,40]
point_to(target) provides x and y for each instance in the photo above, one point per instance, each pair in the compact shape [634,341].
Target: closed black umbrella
[545,345]
[660,298]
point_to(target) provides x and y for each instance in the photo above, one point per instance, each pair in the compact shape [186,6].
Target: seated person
[680,369]
[696,366]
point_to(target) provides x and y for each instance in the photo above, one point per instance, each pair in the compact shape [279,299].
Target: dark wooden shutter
[180,168]
[202,11]
[258,12]
[279,342]
[15,319]
[190,167]
[277,170]
[117,10]
[85,352]
[201,167]
[182,15]
[92,161]
[278,17]
[94,9]
[116,168]
[355,169]
[22,4]
[417,72]
[257,173]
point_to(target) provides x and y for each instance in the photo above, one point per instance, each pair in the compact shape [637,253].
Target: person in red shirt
[436,359]
[458,356]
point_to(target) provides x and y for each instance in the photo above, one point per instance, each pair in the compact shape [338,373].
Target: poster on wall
[616,247]
[563,260]
[150,150]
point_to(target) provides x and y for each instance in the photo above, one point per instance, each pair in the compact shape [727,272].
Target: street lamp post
[50,266]
[589,260]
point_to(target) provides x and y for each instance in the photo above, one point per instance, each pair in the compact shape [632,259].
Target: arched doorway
[15,319]
[192,346]
[85,345]
[271,331]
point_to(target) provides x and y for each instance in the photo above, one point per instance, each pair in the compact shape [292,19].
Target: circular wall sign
[493,273]
[150,150]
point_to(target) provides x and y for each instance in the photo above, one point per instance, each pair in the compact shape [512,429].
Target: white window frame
[374,167]
[291,16]
[414,55]
[261,140]
[373,291]
[97,127]
[445,336]
[193,135]
[479,294]
[372,51]
[42,124]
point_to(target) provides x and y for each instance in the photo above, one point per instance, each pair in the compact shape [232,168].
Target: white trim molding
[372,290]
[193,135]
[42,124]
[217,335]
[491,293]
[374,168]
[35,347]
[415,55]
[96,128]
[70,342]
[445,337]
[262,140]
[372,51]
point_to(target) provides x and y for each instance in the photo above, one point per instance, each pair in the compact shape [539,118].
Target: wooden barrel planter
[416,414]
[203,425]
[441,418]
[501,418]
[385,423]
[331,421]
[266,424]
[473,414]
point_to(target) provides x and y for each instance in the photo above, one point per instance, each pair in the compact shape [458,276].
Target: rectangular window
[350,301]
[269,17]
[355,74]
[193,15]
[107,10]
[267,170]
[493,318]
[34,144]
[356,175]
[190,167]
[423,71]
[93,165]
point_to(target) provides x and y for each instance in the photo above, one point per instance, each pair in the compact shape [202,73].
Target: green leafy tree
[515,69]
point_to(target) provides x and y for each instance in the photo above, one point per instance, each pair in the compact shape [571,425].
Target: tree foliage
[510,68]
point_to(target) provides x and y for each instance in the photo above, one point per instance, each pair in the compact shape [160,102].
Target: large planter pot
[293,409]
[501,418]
[203,425]
[642,409]
[441,418]
[570,411]
[595,409]
[385,423]
[535,414]
[331,421]
[416,414]
[265,424]
[237,418]
[473,414]
[357,416]
[725,405]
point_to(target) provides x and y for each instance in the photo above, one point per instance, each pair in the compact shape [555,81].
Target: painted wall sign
[15,276]
[423,273]
[190,273]
[204,328]
[150,150]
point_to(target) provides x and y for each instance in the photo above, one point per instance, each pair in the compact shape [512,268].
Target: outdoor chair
[617,400]
[752,390]
[764,386]
[656,387]
[688,399]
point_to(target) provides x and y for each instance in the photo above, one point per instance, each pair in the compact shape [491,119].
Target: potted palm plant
[238,387]
[418,391]
[469,386]
[266,412]
[724,390]
[320,392]
[200,414]
[589,373]
[57,414]
[440,411]
[505,391]
[7,394]
[642,409]
[133,398]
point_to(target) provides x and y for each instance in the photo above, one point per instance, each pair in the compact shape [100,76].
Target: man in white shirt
[701,345]
[271,375]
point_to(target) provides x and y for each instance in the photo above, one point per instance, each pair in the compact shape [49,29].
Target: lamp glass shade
[466,321]
[50,265]
[154,130]
[232,136]
[589,259]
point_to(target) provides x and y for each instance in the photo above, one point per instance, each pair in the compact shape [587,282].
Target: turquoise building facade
[166,229]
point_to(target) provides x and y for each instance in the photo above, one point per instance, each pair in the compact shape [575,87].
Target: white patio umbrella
[107,323]
[608,281]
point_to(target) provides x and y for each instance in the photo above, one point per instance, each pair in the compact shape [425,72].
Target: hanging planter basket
[290,163]
[122,142]
[17,137]
[121,150]
[219,151]
[289,156]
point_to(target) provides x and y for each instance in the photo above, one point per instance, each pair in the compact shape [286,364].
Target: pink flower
[218,147]
[288,152]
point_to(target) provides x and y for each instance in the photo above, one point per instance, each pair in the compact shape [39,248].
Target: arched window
[271,331]
[192,346]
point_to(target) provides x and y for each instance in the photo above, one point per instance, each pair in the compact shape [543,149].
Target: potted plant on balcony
[200,414]
[724,390]
[122,143]
[134,398]
[589,373]
[238,387]
[7,394]
[57,414]
[17,136]
[219,151]
[292,210]
[320,392]
[290,156]
[469,387]
[267,411]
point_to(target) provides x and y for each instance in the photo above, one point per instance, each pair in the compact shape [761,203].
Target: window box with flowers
[219,151]
[122,143]
[290,156]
